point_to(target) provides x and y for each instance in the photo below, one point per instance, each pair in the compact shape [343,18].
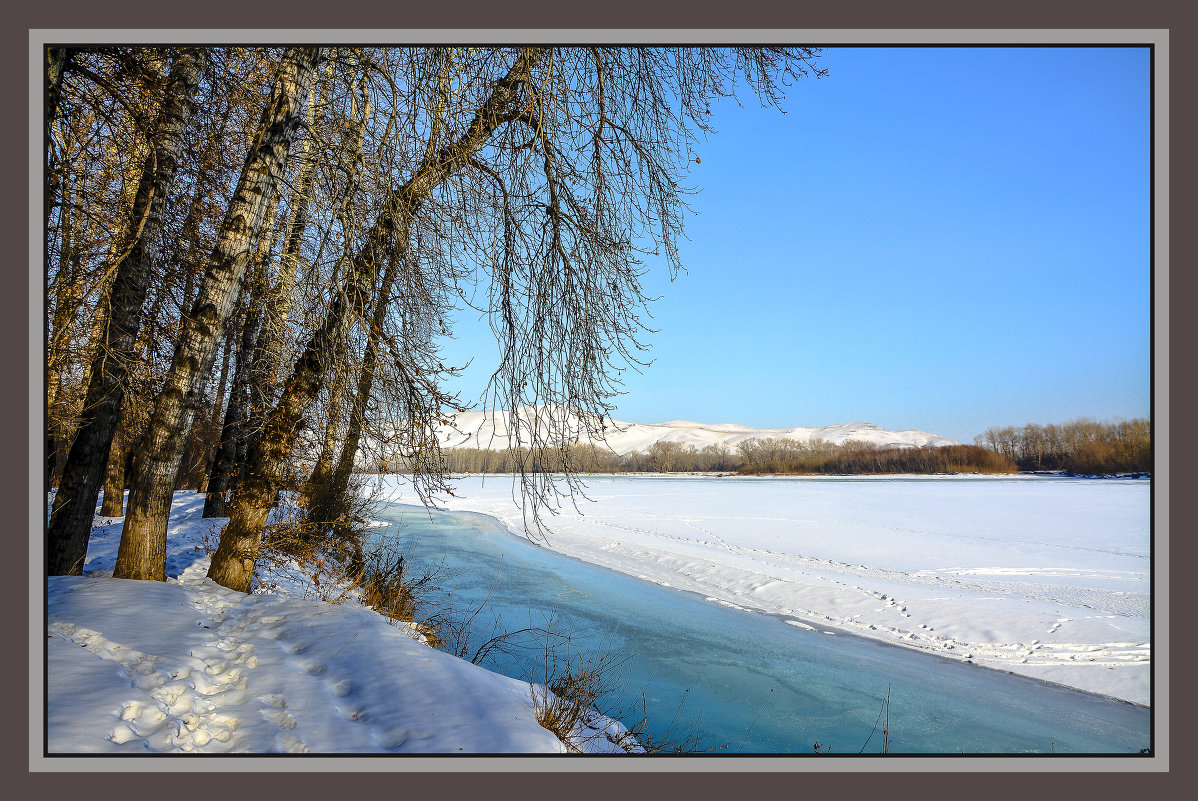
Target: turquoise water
[748,683]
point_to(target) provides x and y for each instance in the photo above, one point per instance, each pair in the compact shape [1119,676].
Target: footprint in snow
[181,712]
[289,744]
[280,717]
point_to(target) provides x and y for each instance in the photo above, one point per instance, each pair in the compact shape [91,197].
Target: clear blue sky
[941,239]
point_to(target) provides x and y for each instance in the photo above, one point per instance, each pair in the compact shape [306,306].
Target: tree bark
[318,480]
[233,563]
[114,478]
[75,502]
[67,298]
[233,429]
[56,65]
[268,349]
[142,552]
[220,406]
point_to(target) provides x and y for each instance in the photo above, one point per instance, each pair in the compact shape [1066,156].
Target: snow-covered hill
[492,430]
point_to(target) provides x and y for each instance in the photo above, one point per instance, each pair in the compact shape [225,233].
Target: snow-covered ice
[1046,577]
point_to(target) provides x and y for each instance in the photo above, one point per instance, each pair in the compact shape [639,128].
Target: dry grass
[568,703]
[331,558]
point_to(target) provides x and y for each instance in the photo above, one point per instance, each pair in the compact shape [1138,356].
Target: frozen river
[1044,577]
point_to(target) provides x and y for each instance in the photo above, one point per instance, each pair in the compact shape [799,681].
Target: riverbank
[187,666]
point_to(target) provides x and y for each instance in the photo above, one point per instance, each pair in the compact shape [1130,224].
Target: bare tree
[75,502]
[527,183]
[553,171]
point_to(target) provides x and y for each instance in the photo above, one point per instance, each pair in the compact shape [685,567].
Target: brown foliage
[1078,447]
[854,458]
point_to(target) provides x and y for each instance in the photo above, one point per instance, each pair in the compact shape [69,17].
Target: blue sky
[943,239]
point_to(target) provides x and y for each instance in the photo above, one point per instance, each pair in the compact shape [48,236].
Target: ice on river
[1046,577]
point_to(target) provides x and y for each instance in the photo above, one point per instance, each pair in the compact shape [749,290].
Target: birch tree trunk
[268,349]
[75,502]
[233,429]
[142,552]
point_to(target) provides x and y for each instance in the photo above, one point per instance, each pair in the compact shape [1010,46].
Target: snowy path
[188,666]
[200,668]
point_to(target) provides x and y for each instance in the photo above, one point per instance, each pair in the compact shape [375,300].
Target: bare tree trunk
[269,345]
[67,297]
[338,483]
[233,563]
[222,386]
[319,478]
[75,502]
[142,552]
[191,468]
[114,477]
[233,429]
[56,63]
[314,491]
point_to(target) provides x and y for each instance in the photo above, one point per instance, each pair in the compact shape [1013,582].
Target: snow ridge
[492,430]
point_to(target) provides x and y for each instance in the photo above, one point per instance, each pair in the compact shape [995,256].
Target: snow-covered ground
[188,666]
[1046,577]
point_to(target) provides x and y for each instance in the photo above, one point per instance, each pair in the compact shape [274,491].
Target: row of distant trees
[853,458]
[661,457]
[762,455]
[1079,447]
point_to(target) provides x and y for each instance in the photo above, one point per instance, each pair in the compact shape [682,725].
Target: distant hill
[491,431]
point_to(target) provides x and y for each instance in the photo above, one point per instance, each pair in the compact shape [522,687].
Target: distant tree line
[660,457]
[857,458]
[1078,447]
[760,455]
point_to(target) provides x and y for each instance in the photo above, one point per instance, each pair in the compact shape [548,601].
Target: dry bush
[575,699]
[390,586]
[294,552]
[335,560]
[571,687]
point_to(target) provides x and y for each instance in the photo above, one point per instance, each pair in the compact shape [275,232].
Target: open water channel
[750,683]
